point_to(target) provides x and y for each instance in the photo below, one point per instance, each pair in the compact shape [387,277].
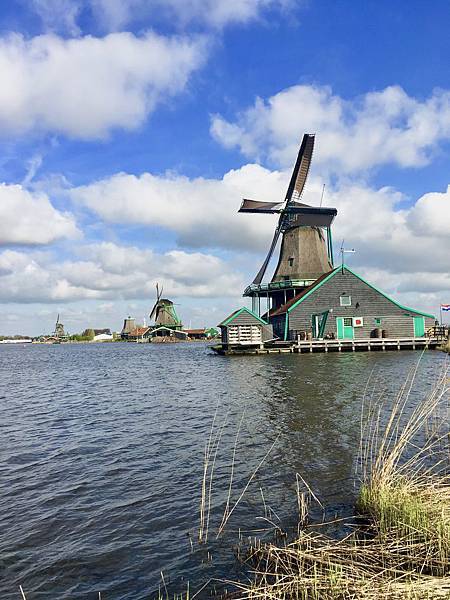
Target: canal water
[102,455]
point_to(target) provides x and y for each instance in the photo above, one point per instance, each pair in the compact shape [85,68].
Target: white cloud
[431,215]
[202,212]
[59,14]
[215,13]
[85,87]
[113,15]
[377,128]
[384,231]
[111,272]
[27,218]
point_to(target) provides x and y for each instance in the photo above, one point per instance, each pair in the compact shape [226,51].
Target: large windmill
[306,247]
[164,313]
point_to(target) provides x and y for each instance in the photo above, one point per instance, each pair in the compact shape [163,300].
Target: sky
[130,130]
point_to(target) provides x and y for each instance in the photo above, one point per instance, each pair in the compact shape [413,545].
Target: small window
[345,300]
[291,261]
[377,321]
[348,322]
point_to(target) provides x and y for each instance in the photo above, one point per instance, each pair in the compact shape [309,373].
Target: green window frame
[377,321]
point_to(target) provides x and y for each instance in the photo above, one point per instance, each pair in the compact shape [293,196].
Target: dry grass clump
[315,567]
[403,549]
[405,490]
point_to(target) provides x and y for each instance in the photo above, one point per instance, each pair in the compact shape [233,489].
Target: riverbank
[400,544]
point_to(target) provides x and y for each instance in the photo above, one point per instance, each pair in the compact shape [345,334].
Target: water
[102,450]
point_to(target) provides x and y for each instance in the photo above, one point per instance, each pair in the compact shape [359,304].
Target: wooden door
[344,326]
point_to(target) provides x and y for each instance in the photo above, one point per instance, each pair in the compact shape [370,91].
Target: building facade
[342,305]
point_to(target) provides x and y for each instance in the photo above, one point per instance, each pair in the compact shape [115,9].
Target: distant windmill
[59,328]
[164,313]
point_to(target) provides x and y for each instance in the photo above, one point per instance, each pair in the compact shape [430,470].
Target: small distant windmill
[59,329]
[164,313]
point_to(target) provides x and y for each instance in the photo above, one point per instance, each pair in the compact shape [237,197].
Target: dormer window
[345,300]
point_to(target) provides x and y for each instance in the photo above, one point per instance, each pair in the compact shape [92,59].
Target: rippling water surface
[101,457]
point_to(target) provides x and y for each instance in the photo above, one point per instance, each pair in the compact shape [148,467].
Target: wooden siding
[371,305]
[245,318]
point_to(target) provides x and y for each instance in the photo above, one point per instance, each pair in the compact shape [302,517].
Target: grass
[402,550]
[446,346]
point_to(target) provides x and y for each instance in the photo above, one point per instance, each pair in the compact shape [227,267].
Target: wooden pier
[311,346]
[366,345]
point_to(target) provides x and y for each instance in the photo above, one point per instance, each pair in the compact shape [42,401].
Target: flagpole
[440,310]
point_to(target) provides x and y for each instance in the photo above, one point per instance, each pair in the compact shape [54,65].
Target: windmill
[164,313]
[59,329]
[306,248]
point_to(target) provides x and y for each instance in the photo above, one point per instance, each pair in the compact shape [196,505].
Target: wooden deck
[366,345]
[310,346]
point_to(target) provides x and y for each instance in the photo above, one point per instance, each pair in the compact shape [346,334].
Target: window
[377,321]
[345,300]
[348,322]
[291,261]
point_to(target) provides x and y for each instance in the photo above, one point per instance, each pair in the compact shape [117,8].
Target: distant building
[139,334]
[102,335]
[129,325]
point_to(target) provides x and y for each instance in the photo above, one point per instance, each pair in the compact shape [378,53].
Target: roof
[194,331]
[164,328]
[238,312]
[282,309]
[326,277]
[139,331]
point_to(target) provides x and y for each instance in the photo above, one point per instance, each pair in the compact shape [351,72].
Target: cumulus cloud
[85,87]
[431,215]
[202,212]
[108,271]
[385,235]
[215,13]
[116,14]
[410,243]
[27,218]
[386,126]
[58,14]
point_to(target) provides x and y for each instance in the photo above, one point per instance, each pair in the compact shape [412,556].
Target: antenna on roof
[321,197]
[344,251]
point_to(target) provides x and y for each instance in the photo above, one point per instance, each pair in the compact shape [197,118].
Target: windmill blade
[255,206]
[265,264]
[301,169]
[153,310]
[158,296]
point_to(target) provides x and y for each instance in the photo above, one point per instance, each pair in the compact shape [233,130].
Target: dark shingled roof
[282,309]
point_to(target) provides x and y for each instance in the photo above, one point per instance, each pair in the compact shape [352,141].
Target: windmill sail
[155,308]
[295,190]
[265,264]
[301,168]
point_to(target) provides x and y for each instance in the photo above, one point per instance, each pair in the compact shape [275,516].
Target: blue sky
[130,130]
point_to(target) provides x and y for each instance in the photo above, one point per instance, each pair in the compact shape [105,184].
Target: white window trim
[341,298]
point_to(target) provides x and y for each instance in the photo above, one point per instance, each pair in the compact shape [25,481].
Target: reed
[403,550]
[405,490]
